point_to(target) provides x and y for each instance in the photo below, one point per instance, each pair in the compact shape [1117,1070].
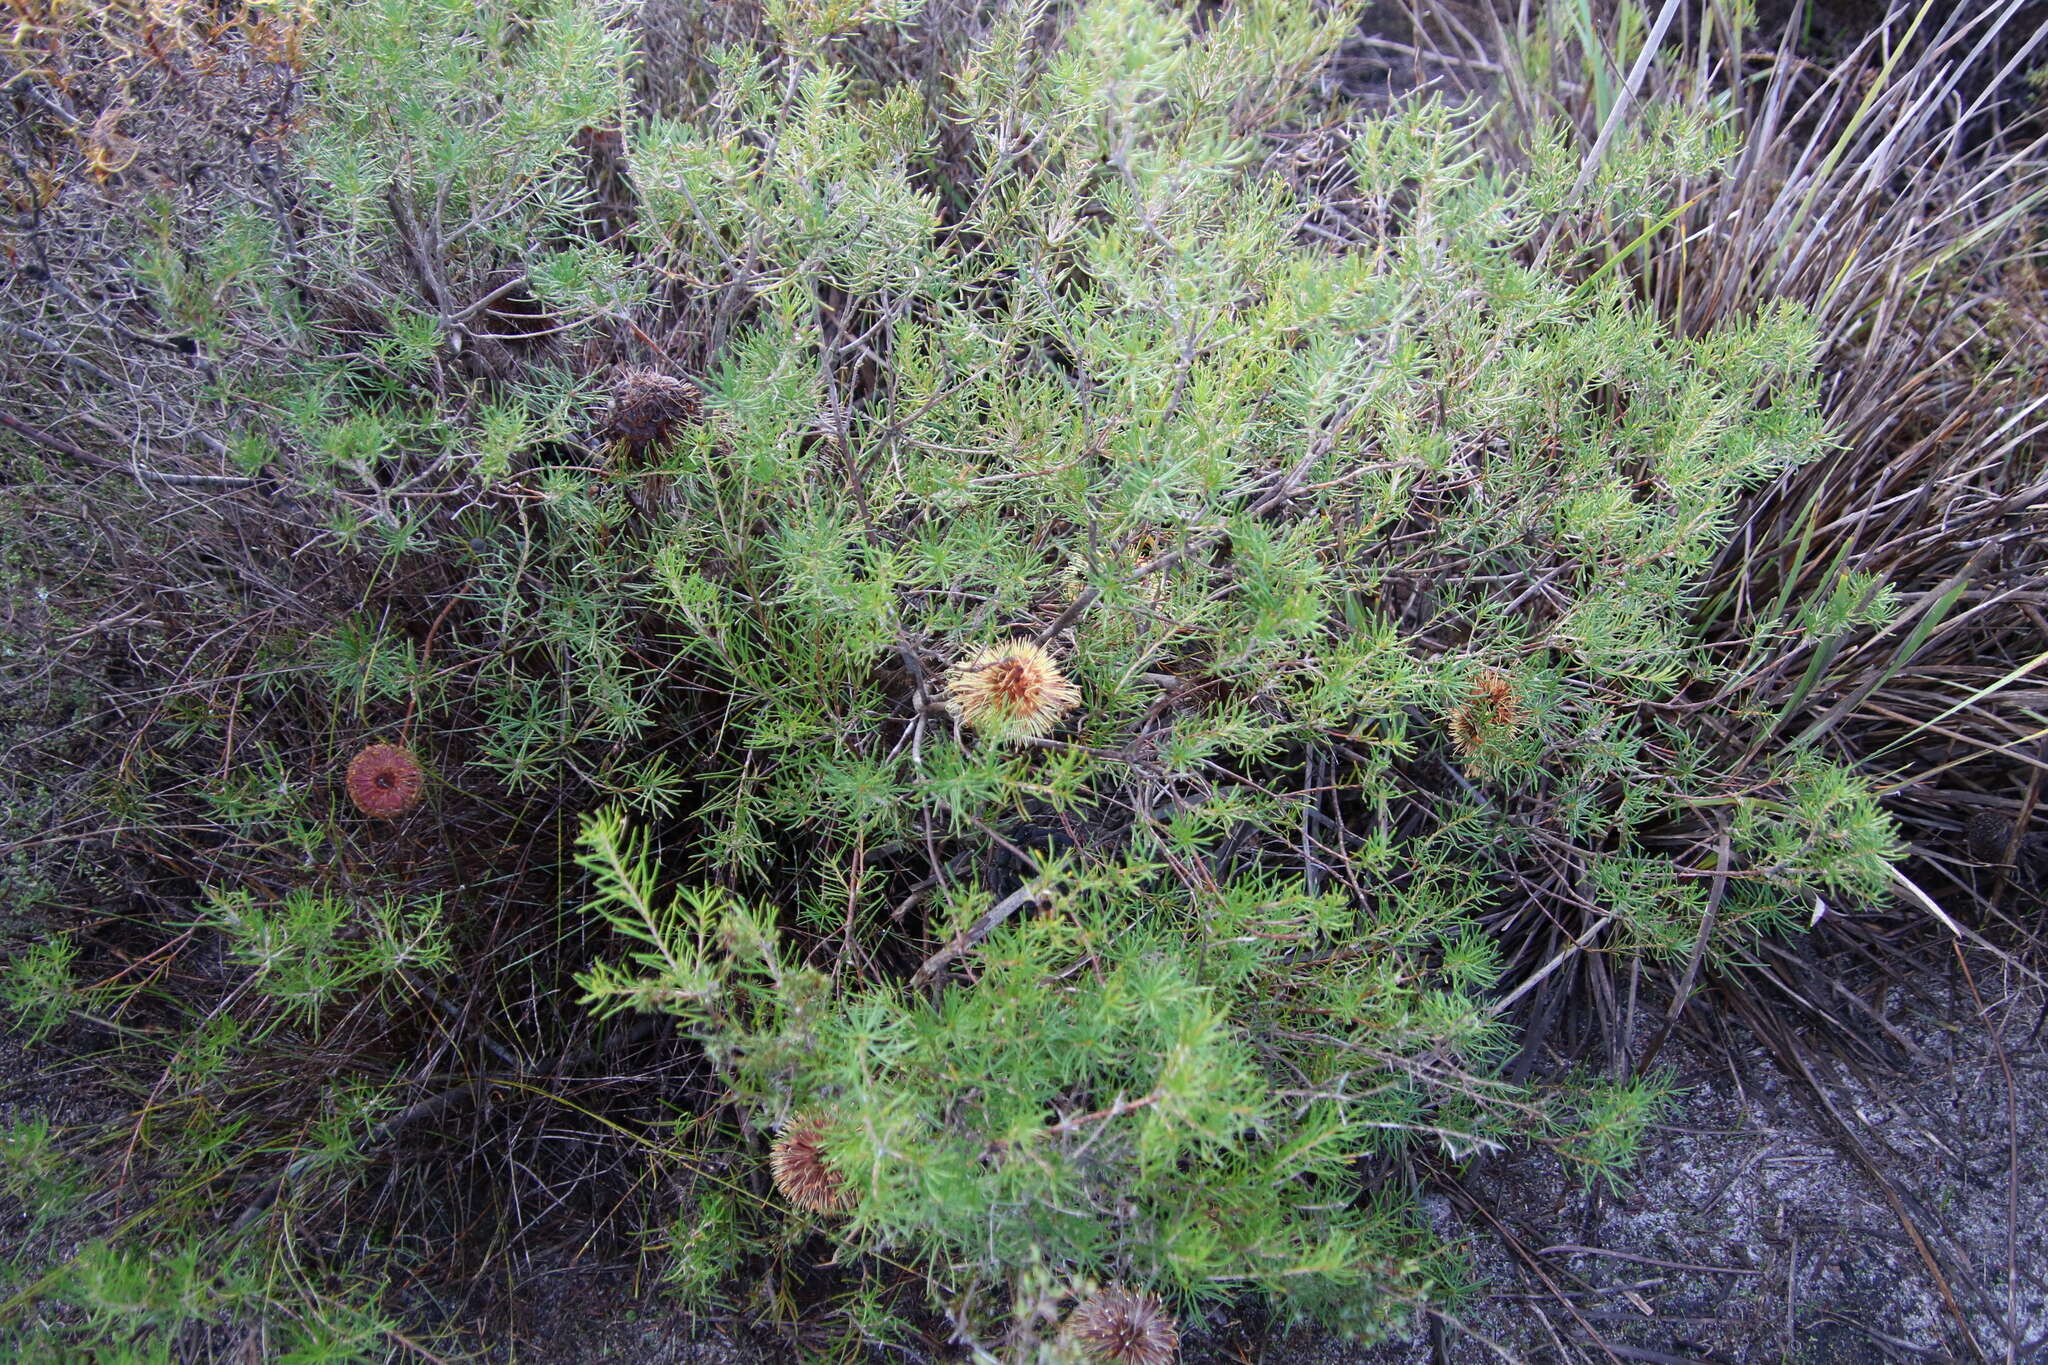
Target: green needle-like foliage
[1163,606]
[1370,543]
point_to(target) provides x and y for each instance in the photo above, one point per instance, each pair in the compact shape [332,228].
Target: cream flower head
[1010,691]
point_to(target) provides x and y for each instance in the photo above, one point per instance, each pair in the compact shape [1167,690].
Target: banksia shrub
[1279,436]
[385,781]
[1286,499]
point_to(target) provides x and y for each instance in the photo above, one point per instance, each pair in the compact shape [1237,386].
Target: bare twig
[1027,894]
[139,473]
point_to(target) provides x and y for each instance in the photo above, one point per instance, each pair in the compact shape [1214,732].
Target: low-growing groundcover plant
[1103,617]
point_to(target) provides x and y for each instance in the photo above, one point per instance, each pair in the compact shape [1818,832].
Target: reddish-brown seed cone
[1010,690]
[803,1172]
[1123,1327]
[647,405]
[385,781]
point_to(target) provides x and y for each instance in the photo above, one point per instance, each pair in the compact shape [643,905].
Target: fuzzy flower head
[1009,691]
[385,781]
[803,1172]
[1492,708]
[1119,1326]
[647,406]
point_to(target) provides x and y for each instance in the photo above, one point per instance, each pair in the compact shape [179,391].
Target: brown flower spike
[803,1172]
[385,781]
[1121,1326]
[1492,708]
[1010,690]
[647,405]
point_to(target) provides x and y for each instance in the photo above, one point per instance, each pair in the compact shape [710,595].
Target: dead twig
[141,474]
[1028,893]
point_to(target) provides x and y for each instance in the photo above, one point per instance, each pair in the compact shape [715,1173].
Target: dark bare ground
[1753,1232]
